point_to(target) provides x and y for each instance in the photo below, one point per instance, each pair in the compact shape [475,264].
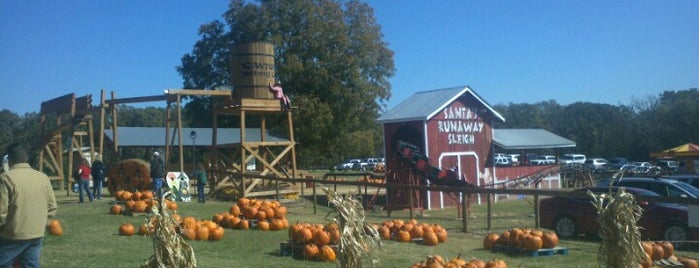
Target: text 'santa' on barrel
[252,68]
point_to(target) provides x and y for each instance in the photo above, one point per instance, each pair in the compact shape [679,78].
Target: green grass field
[90,238]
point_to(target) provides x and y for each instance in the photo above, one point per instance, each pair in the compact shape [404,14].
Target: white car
[350,165]
[573,159]
[597,163]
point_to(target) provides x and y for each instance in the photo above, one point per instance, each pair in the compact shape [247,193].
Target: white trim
[427,153]
[459,155]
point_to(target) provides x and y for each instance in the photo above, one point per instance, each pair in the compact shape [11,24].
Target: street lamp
[193,136]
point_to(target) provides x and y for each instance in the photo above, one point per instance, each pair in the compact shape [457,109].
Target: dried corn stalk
[618,215]
[170,250]
[358,239]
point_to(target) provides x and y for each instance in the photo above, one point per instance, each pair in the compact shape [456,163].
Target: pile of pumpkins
[188,227]
[407,231]
[267,215]
[437,261]
[656,251]
[137,202]
[318,240]
[371,180]
[522,238]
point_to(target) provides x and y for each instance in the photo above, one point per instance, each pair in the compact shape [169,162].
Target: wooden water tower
[252,69]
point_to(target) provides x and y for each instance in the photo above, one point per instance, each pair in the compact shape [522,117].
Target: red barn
[440,136]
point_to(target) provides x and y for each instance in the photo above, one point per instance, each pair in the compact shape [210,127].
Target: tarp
[684,150]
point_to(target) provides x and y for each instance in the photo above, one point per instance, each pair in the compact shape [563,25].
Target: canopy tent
[686,153]
[685,150]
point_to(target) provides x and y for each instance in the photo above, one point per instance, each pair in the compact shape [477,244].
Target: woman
[83,179]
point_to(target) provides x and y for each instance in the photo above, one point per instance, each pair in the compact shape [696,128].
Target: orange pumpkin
[403,236]
[327,253]
[243,202]
[310,251]
[243,224]
[233,222]
[126,229]
[216,234]
[430,238]
[145,230]
[321,237]
[495,263]
[126,195]
[531,242]
[188,233]
[489,240]
[306,235]
[234,210]
[647,247]
[115,209]
[276,225]
[658,252]
[263,225]
[442,235]
[117,195]
[280,212]
[384,232]
[54,227]
[647,261]
[549,240]
[334,236]
[202,232]
[147,195]
[668,249]
[217,218]
[688,263]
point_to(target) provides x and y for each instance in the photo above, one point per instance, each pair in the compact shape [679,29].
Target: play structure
[252,70]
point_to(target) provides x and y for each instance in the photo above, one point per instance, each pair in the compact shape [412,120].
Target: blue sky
[507,51]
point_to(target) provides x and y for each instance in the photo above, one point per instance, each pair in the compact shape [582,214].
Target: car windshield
[689,188]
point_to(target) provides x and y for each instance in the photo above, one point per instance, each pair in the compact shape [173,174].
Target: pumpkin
[334,236]
[244,224]
[147,195]
[458,261]
[171,205]
[531,242]
[688,263]
[647,247]
[327,253]
[276,225]
[243,202]
[130,204]
[140,206]
[504,238]
[54,227]
[403,236]
[310,251]
[647,261]
[117,195]
[658,252]
[189,222]
[489,241]
[137,195]
[549,240]
[280,212]
[263,225]
[442,235]
[668,249]
[416,231]
[210,224]
[202,232]
[233,222]
[188,233]
[115,209]
[306,235]
[249,212]
[126,195]
[261,215]
[430,238]
[495,263]
[126,229]
[321,237]
[145,230]
[216,234]
[384,232]
[234,210]
[217,218]
[536,232]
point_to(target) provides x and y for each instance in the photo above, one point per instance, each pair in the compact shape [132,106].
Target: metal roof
[529,139]
[155,136]
[424,105]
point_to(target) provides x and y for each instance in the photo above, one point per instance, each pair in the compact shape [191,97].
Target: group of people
[157,173]
[82,178]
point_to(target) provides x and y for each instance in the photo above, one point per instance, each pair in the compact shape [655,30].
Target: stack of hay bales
[130,175]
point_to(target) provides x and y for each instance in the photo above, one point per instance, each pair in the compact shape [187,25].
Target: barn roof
[424,105]
[509,139]
[155,136]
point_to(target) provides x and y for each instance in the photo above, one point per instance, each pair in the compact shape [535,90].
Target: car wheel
[565,227]
[674,232]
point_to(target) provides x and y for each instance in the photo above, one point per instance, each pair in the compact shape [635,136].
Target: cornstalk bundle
[618,215]
[131,175]
[358,239]
[170,250]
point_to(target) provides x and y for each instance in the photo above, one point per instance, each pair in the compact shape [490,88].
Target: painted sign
[178,182]
[459,124]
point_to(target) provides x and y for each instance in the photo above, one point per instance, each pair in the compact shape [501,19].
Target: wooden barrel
[252,68]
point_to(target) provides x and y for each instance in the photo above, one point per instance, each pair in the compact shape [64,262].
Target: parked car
[669,165]
[369,163]
[352,164]
[661,186]
[514,158]
[691,179]
[618,162]
[502,160]
[573,159]
[569,216]
[596,163]
[544,160]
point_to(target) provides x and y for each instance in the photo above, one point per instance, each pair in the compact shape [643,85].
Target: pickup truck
[543,160]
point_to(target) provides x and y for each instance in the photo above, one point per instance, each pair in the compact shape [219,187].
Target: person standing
[26,202]
[98,174]
[84,181]
[278,92]
[157,171]
[200,175]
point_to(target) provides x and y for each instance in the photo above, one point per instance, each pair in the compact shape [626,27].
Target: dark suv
[661,186]
[690,179]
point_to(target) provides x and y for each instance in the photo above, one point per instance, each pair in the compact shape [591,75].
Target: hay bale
[130,175]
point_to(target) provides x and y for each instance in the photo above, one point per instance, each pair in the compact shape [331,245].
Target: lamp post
[193,136]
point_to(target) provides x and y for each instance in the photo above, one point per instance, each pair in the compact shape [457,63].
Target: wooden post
[243,163]
[536,211]
[315,199]
[464,215]
[489,211]
[412,202]
[293,143]
[179,130]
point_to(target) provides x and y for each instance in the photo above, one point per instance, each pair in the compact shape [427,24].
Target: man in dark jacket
[157,172]
[97,177]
